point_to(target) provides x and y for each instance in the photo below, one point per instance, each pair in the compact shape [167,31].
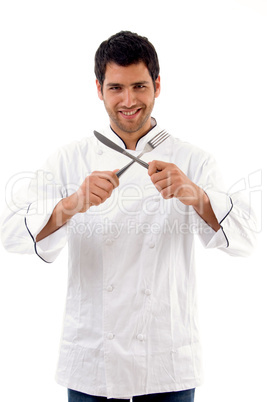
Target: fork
[150,145]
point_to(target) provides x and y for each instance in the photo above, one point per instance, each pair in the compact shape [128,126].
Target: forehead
[126,75]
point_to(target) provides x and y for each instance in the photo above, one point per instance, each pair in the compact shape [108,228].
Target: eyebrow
[116,84]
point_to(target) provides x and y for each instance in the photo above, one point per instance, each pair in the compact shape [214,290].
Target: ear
[99,90]
[157,85]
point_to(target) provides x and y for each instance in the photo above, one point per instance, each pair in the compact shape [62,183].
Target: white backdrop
[214,85]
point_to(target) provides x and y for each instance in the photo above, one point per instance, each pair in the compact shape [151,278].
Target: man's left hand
[171,182]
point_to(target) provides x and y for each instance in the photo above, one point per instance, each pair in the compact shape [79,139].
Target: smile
[131,113]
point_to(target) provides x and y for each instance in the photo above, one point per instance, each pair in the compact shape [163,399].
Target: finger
[165,187]
[98,194]
[109,176]
[96,190]
[101,190]
[94,200]
[104,184]
[156,166]
[162,175]
[161,182]
[114,178]
[167,192]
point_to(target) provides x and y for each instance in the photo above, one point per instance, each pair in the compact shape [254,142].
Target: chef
[131,326]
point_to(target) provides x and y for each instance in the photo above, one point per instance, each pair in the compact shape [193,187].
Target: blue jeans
[180,396]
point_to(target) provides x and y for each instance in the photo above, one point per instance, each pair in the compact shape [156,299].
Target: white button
[110,288]
[100,151]
[151,244]
[140,337]
[110,336]
[108,242]
[49,176]
[148,292]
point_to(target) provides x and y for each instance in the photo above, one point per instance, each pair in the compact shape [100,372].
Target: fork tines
[160,137]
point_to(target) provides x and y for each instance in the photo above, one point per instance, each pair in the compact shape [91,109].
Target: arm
[95,190]
[231,218]
[172,182]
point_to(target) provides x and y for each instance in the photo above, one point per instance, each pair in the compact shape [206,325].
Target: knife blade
[106,141]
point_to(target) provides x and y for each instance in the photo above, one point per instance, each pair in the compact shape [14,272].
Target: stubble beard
[127,127]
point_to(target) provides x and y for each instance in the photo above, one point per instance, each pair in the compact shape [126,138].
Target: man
[130,327]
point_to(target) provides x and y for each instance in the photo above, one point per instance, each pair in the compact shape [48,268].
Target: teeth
[129,113]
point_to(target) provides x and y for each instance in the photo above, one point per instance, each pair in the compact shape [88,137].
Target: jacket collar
[109,133]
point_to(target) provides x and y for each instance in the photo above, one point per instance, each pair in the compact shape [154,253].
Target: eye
[115,88]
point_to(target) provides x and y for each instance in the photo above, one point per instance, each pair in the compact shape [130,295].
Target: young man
[130,327]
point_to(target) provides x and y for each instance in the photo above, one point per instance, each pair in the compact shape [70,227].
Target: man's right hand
[95,189]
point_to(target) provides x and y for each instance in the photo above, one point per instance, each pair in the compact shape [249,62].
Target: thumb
[156,166]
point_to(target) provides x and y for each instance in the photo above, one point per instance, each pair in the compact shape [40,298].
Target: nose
[128,98]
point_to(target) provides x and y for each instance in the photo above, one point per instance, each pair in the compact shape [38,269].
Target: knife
[117,148]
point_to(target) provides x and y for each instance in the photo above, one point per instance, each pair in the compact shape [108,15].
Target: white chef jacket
[130,324]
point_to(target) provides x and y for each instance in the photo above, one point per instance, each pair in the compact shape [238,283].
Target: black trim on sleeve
[226,238]
[227,241]
[228,211]
[34,242]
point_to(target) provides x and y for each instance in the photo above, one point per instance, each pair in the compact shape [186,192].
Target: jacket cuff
[38,214]
[221,205]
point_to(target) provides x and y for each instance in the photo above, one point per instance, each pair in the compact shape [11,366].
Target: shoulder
[188,152]
[74,149]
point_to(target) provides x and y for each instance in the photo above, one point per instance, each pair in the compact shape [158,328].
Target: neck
[130,139]
[131,142]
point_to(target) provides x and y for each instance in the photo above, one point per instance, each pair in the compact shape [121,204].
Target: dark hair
[126,48]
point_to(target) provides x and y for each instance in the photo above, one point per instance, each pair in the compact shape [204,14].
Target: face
[129,95]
